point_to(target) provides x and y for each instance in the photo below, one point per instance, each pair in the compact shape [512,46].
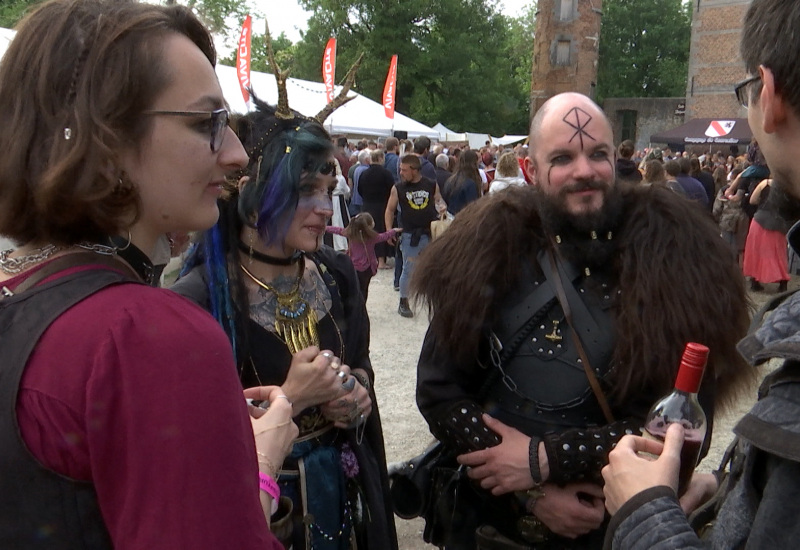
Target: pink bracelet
[270,486]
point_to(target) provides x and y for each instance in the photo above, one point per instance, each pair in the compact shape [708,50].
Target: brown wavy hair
[679,283]
[93,67]
[361,228]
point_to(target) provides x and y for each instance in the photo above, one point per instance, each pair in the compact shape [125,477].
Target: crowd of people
[737,192]
[447,180]
[238,408]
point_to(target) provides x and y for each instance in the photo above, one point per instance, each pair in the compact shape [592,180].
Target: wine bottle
[681,407]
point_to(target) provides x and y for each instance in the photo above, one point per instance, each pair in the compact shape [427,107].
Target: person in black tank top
[419,199]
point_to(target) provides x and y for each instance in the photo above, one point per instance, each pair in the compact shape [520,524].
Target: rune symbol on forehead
[578,119]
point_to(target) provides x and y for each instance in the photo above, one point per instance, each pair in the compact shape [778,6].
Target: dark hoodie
[628,171]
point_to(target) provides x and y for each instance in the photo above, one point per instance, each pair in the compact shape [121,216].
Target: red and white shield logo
[719,128]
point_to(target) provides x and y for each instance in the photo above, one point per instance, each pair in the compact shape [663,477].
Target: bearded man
[503,378]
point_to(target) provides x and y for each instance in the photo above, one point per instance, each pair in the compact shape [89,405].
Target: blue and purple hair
[283,154]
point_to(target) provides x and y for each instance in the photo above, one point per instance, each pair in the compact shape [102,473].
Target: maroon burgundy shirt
[135,390]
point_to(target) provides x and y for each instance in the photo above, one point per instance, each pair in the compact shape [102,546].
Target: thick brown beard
[575,230]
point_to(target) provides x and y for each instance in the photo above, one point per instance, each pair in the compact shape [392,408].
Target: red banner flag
[329,68]
[243,58]
[389,88]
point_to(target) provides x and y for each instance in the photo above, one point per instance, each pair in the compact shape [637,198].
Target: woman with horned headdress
[294,313]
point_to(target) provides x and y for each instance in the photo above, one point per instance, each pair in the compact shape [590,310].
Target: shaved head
[572,153]
[575,110]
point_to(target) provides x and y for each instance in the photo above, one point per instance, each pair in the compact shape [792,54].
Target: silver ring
[341,374]
[327,355]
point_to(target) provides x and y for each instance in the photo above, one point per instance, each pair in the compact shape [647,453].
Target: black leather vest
[40,508]
[546,388]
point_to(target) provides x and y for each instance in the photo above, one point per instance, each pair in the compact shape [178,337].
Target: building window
[562,52]
[566,10]
[628,118]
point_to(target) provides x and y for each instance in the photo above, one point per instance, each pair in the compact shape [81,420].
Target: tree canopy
[460,61]
[216,13]
[11,11]
[644,48]
[282,47]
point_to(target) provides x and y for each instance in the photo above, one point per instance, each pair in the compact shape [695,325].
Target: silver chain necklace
[103,249]
[14,266]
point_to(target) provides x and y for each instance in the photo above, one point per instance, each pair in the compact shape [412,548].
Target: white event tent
[5,39]
[476,141]
[360,116]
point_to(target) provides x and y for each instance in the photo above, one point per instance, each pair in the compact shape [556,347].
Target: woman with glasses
[296,318]
[124,424]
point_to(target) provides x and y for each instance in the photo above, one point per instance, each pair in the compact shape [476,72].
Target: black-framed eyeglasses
[741,90]
[218,121]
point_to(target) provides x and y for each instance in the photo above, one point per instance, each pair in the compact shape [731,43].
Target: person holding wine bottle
[575,299]
[755,502]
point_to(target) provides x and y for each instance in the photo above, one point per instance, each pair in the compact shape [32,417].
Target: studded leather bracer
[463,429]
[579,454]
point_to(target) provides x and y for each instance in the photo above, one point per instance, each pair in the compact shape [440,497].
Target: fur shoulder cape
[678,279]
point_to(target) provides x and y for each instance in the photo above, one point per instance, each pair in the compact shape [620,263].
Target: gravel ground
[395,346]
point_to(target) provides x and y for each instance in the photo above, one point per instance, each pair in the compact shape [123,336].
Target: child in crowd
[360,234]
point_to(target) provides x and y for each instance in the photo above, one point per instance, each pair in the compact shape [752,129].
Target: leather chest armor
[545,386]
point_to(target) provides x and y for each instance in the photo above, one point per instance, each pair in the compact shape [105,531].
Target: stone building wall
[653,115]
[562,24]
[715,65]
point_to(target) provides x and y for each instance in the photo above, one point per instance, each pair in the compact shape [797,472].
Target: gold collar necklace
[295,319]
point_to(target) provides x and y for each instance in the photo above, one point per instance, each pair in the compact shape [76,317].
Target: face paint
[315,199]
[578,119]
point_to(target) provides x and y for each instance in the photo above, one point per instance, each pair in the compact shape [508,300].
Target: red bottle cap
[693,364]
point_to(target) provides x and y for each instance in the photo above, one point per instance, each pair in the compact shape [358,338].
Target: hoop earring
[127,245]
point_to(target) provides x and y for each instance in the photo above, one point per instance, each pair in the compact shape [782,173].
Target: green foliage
[217,14]
[520,52]
[644,48]
[11,11]
[281,46]
[459,61]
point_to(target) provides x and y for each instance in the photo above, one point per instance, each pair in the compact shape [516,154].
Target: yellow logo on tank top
[418,200]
